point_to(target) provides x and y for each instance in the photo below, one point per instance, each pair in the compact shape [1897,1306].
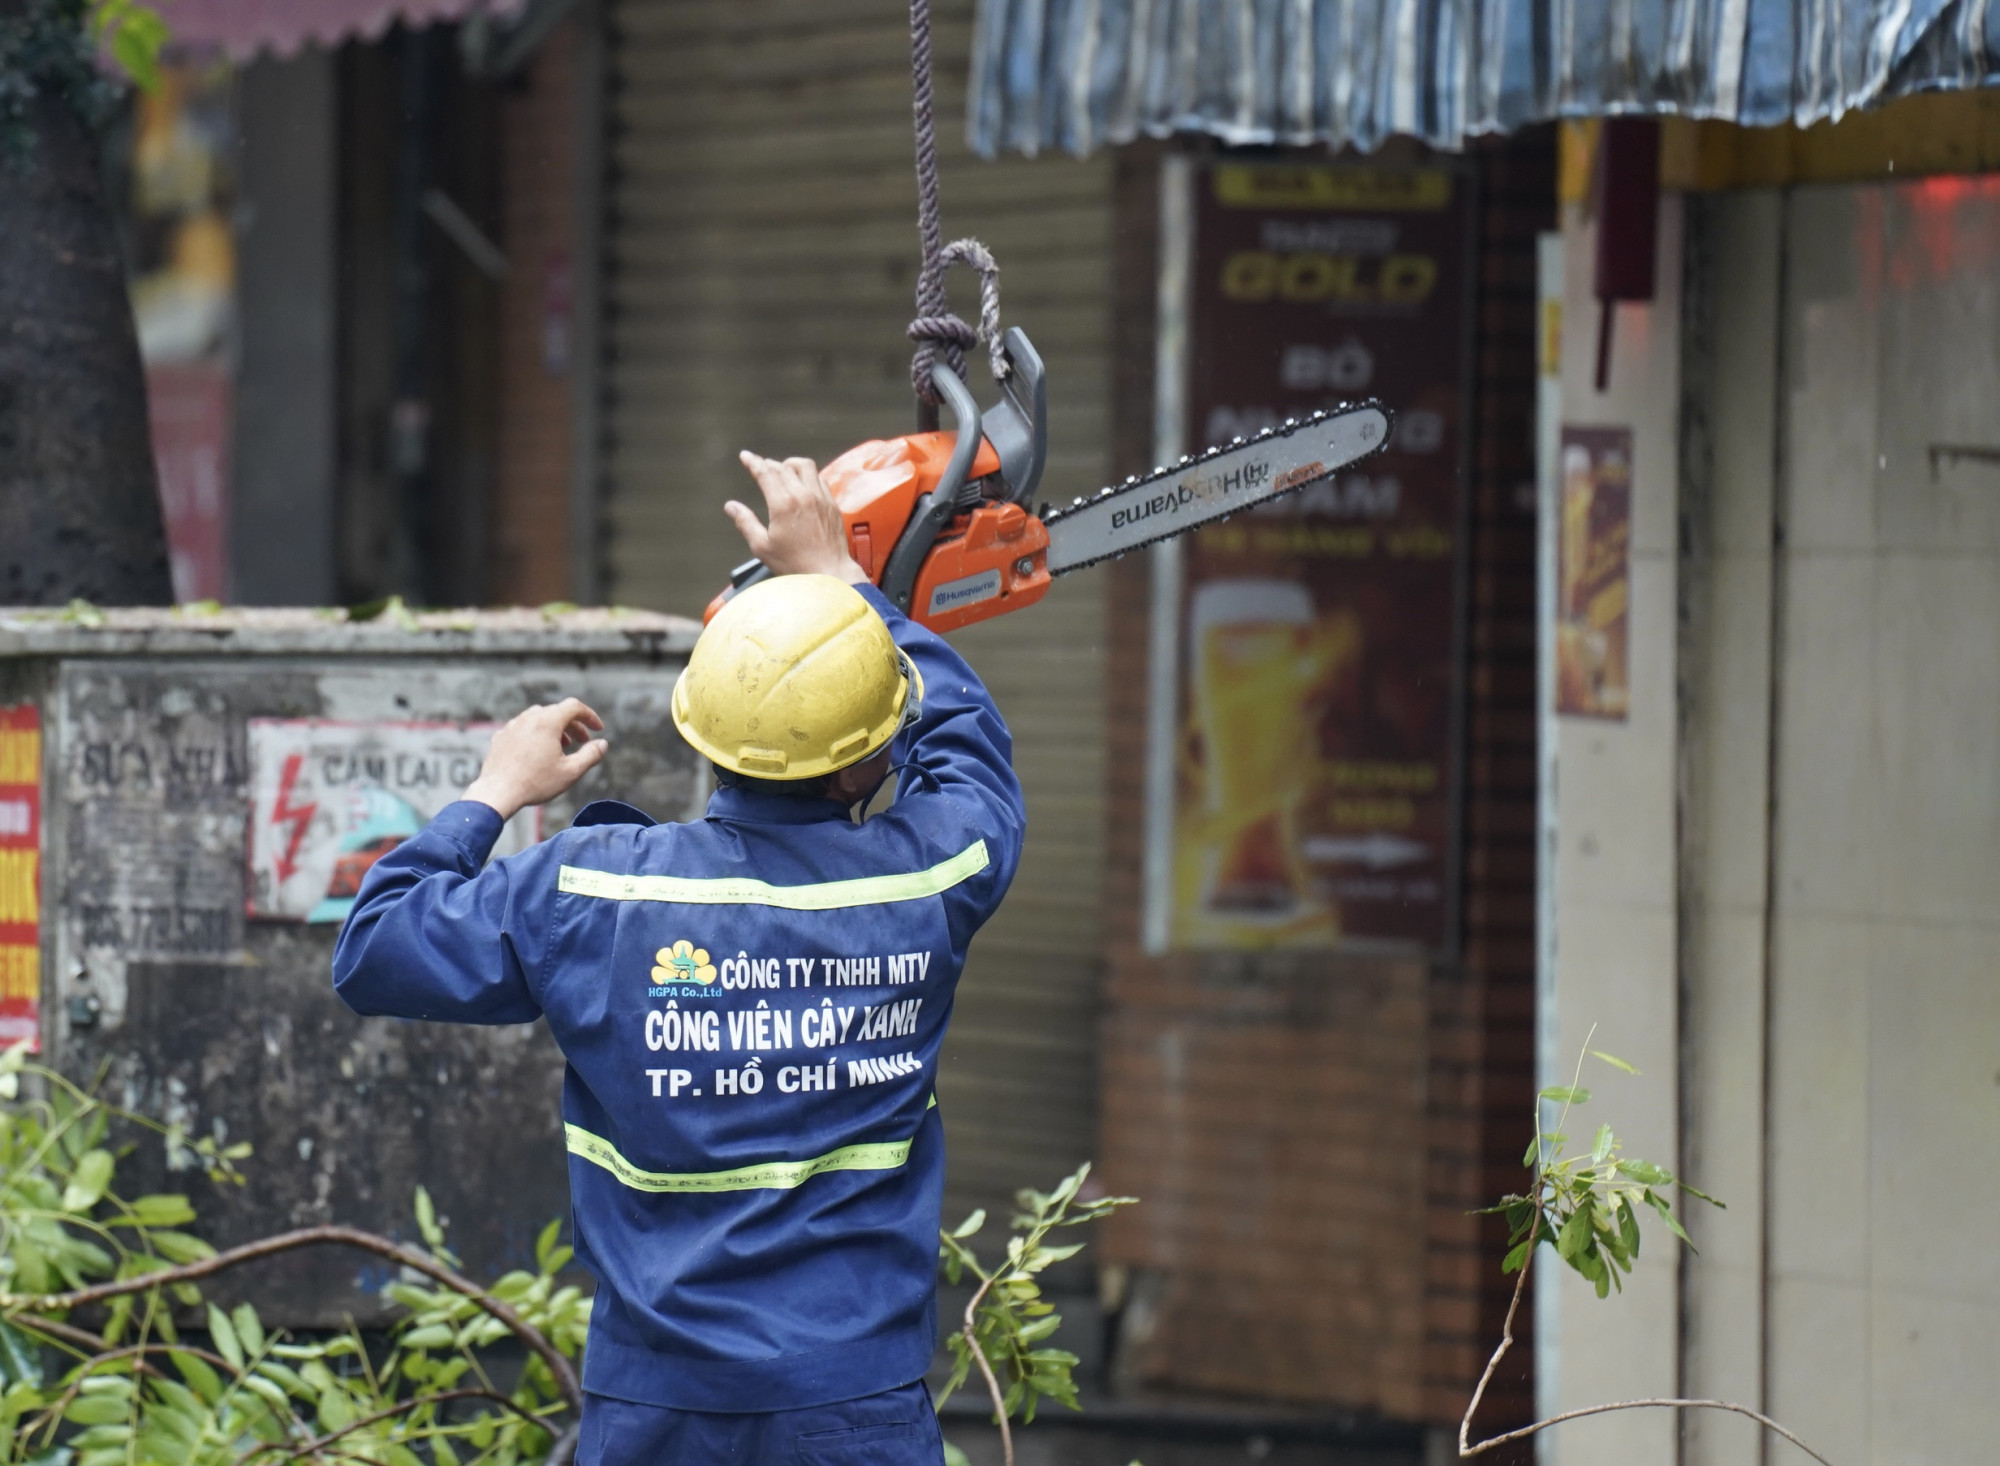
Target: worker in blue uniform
[751,1006]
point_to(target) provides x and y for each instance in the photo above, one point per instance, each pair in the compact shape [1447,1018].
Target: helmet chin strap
[858,808]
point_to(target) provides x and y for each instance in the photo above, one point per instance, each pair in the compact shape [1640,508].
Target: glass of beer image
[1255,669]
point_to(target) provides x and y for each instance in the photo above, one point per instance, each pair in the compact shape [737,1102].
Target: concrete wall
[1776,886]
[1886,899]
[1729,503]
[1614,873]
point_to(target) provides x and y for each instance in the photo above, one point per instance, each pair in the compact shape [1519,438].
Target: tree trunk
[79,506]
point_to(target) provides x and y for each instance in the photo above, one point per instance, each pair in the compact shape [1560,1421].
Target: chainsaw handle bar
[934,511]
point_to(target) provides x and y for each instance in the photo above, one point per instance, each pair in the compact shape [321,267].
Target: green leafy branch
[135,1393]
[54,46]
[132,34]
[130,1390]
[1586,1208]
[1007,1319]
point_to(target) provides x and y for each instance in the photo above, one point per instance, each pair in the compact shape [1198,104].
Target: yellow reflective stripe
[884,1155]
[827,896]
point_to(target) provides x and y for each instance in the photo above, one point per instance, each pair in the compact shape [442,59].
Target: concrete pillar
[1729,508]
[1616,934]
[282,511]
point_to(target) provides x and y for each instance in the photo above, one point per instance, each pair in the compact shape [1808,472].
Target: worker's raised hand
[537,756]
[806,536]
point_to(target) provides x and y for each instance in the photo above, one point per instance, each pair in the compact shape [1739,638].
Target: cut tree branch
[970,1332]
[402,1407]
[1466,1450]
[537,1343]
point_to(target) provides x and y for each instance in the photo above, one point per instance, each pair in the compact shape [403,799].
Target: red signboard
[188,403]
[20,883]
[1314,769]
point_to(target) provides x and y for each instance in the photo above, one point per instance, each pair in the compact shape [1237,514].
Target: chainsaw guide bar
[1205,487]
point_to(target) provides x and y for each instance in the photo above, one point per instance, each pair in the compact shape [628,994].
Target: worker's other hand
[538,756]
[806,536]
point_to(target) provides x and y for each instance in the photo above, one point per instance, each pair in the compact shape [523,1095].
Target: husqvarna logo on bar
[1251,478]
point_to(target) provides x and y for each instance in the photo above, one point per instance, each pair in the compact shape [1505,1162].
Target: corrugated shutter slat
[762,254]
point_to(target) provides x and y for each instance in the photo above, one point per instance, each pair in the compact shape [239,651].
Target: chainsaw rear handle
[1018,424]
[935,510]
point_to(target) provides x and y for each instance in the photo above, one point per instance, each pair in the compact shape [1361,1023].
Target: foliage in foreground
[110,1284]
[1586,1207]
[1008,1319]
[60,47]
[133,1390]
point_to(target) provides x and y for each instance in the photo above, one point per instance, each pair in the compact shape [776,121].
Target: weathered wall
[229,1026]
[1886,821]
[1776,884]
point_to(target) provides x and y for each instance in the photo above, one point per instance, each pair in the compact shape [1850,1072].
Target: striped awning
[1076,74]
[243,28]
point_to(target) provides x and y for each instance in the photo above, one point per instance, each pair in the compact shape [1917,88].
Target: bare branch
[1466,1450]
[1506,1332]
[1661,1404]
[75,1337]
[971,1336]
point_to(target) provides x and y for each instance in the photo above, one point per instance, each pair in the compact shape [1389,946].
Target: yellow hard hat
[794,678]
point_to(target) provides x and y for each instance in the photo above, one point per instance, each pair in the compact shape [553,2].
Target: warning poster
[1594,579]
[20,877]
[330,799]
[1313,800]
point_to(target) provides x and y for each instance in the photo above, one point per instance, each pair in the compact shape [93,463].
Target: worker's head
[796,687]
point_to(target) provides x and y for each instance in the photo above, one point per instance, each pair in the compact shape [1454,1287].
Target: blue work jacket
[752,1007]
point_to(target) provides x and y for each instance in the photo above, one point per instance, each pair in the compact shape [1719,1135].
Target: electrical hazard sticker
[330,799]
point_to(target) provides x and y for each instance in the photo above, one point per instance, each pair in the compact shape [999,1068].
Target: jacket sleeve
[434,936]
[958,758]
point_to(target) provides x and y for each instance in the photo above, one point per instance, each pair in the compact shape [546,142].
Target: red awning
[244,27]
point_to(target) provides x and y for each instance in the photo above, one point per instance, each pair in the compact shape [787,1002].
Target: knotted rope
[936,330]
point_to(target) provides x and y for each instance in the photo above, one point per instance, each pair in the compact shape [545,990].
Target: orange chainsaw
[943,524]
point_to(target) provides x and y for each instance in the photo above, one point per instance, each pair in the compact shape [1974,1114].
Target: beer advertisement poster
[1594,577]
[1318,634]
[20,877]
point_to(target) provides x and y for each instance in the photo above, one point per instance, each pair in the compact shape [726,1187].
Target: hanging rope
[936,330]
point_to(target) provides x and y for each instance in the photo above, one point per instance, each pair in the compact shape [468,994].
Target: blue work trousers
[895,1428]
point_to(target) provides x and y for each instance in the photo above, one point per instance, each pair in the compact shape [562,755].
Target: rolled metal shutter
[761,255]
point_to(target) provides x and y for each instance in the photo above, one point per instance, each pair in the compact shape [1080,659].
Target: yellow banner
[20,756]
[20,974]
[18,901]
[1254,186]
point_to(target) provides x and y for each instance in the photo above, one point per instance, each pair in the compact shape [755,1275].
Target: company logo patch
[682,962]
[967,592]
